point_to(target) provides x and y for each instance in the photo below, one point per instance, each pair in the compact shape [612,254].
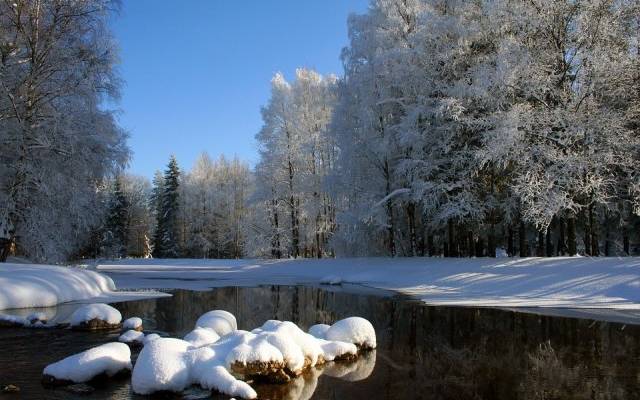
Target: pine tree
[114,239]
[166,236]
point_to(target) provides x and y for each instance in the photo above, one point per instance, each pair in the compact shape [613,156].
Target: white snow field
[109,358]
[32,285]
[559,282]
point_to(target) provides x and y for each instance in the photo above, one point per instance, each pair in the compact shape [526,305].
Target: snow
[201,336]
[109,358]
[161,366]
[132,336]
[220,321]
[33,285]
[132,323]
[354,330]
[319,330]
[331,280]
[150,338]
[103,312]
[558,282]
[167,364]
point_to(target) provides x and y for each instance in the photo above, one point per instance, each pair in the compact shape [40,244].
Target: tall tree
[166,239]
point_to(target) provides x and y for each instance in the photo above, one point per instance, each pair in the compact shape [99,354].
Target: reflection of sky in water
[423,352]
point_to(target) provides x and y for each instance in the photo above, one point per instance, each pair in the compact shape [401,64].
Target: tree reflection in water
[435,353]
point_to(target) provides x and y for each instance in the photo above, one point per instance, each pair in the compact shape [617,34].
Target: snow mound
[354,330]
[102,312]
[150,338]
[110,359]
[201,336]
[134,323]
[220,321]
[132,337]
[319,331]
[278,351]
[28,285]
[168,364]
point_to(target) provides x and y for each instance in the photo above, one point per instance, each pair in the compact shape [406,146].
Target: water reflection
[424,352]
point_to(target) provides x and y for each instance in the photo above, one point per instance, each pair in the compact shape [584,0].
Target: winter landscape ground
[560,282]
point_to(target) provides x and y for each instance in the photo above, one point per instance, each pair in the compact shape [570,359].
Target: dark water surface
[423,352]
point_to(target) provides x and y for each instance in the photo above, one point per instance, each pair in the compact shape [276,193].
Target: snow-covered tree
[167,233]
[295,157]
[58,141]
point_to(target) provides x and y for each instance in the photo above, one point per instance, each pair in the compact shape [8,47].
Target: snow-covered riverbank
[33,285]
[575,282]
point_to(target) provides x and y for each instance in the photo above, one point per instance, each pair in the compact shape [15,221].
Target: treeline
[461,128]
[200,213]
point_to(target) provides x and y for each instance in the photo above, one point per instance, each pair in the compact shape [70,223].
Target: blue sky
[197,72]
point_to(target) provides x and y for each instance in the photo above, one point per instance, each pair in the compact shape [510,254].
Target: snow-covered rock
[319,330]
[132,337]
[109,359]
[220,321]
[134,323]
[168,364]
[150,338]
[12,321]
[96,316]
[278,351]
[27,285]
[354,330]
[201,336]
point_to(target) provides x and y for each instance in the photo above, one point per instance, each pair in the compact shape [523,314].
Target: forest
[457,129]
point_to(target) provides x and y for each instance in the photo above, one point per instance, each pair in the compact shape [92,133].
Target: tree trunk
[522,238]
[511,251]
[595,248]
[549,242]
[562,247]
[571,236]
[452,246]
[491,244]
[479,247]
[5,249]
[430,246]
[412,229]
[625,244]
[587,234]
[540,245]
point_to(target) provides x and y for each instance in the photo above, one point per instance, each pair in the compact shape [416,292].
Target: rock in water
[93,317]
[10,389]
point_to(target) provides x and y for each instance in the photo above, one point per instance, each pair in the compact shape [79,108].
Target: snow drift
[28,285]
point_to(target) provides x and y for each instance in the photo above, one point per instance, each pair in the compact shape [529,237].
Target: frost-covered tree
[114,235]
[167,233]
[215,195]
[58,141]
[296,155]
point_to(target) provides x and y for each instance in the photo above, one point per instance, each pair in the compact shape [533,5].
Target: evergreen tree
[114,238]
[166,236]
